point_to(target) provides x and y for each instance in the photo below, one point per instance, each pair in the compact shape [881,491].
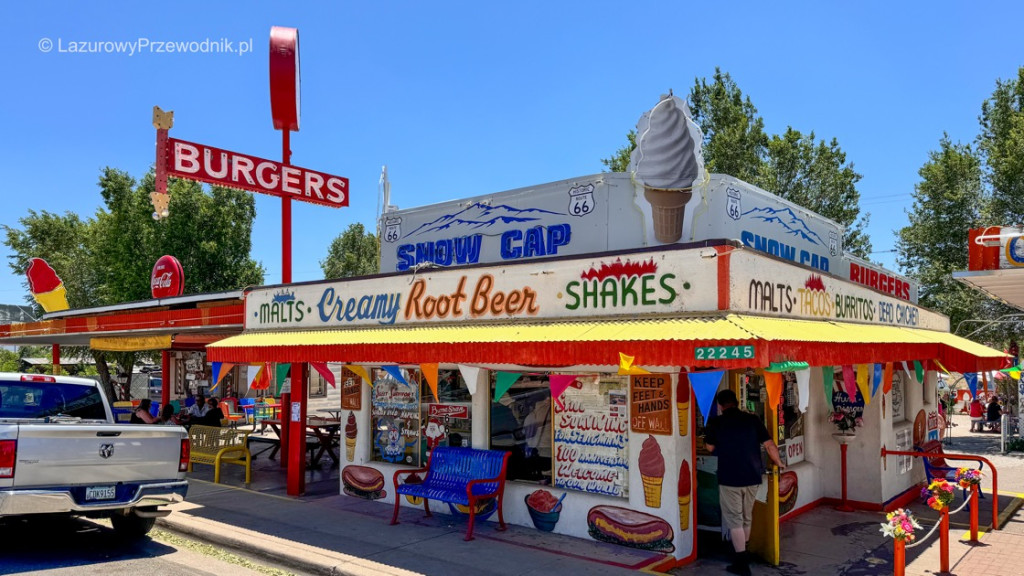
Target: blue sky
[468,98]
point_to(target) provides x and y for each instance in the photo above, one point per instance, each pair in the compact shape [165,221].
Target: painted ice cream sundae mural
[668,161]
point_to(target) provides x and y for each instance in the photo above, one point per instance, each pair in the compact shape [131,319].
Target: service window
[446,419]
[791,422]
[317,387]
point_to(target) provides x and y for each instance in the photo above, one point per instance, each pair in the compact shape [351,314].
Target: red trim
[723,276]
[901,500]
[167,320]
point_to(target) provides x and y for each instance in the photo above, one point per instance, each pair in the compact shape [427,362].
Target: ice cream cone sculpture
[47,288]
[683,404]
[668,162]
[684,495]
[652,471]
[351,431]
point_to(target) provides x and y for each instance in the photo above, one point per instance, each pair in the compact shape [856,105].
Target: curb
[301,557]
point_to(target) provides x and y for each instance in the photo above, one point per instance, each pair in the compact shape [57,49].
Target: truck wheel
[132,526]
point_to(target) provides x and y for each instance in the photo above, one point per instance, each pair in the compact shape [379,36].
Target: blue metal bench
[464,476]
[937,467]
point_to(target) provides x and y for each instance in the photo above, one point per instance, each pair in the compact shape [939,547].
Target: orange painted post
[974,512]
[944,540]
[899,557]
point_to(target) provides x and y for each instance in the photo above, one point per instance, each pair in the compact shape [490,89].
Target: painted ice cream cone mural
[652,471]
[351,430]
[47,288]
[683,404]
[668,161]
[684,496]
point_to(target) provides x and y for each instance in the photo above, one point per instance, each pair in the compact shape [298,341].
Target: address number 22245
[724,353]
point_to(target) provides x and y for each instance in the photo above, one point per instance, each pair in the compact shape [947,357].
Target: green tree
[353,253]
[619,162]
[734,138]
[817,177]
[1001,143]
[9,361]
[108,259]
[947,204]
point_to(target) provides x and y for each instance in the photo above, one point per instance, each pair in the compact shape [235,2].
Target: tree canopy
[354,252]
[813,174]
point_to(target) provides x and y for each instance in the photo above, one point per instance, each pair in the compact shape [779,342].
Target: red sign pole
[286,214]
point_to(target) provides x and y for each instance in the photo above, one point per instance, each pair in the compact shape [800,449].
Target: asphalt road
[63,546]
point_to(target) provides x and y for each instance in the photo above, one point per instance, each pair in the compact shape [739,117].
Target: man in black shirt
[736,438]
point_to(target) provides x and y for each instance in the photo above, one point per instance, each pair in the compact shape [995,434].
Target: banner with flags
[705,386]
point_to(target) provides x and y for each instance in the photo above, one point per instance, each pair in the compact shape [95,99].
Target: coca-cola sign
[168,278]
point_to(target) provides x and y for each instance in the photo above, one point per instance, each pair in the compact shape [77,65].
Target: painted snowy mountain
[787,219]
[479,217]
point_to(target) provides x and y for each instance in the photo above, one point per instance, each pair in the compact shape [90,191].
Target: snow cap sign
[667,161]
[168,279]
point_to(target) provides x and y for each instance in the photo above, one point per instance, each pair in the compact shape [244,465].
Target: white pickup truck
[62,453]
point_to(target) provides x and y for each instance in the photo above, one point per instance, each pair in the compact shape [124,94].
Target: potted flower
[900,525]
[941,494]
[967,477]
[845,420]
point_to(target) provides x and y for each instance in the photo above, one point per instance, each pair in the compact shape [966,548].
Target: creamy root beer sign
[646,283]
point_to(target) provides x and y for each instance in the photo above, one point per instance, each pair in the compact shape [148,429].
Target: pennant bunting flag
[876,379]
[471,374]
[429,371]
[280,373]
[359,371]
[787,366]
[919,372]
[906,368]
[972,383]
[395,373]
[704,386]
[803,388]
[828,379]
[220,369]
[323,370]
[559,384]
[773,383]
[850,381]
[250,375]
[502,382]
[261,381]
[863,374]
[626,365]
[887,378]
[941,367]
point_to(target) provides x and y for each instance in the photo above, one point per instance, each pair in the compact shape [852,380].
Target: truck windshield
[39,400]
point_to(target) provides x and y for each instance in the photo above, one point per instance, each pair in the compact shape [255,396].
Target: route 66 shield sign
[392,229]
[581,200]
[833,243]
[732,206]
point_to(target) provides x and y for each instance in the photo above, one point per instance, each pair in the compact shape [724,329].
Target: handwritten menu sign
[351,390]
[591,438]
[650,403]
[395,415]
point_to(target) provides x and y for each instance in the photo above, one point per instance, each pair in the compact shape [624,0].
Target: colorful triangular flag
[887,378]
[972,383]
[828,380]
[325,371]
[395,373]
[876,379]
[863,374]
[559,384]
[502,382]
[429,371]
[773,384]
[705,386]
[471,374]
[803,388]
[626,365]
[850,381]
[261,381]
[919,372]
[360,371]
[280,373]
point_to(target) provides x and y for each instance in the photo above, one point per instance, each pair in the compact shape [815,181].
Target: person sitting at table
[213,415]
[168,417]
[141,415]
[200,408]
[993,414]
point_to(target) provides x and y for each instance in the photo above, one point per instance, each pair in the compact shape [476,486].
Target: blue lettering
[783,250]
[508,251]
[467,249]
[443,252]
[406,259]
[558,235]
[534,243]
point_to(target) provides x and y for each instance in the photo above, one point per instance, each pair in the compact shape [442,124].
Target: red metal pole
[55,361]
[944,540]
[297,432]
[899,557]
[286,215]
[974,512]
[845,506]
[282,415]
[165,380]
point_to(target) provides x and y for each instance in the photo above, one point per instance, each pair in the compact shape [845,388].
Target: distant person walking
[736,437]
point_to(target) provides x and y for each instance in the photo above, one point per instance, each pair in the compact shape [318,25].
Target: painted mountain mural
[788,220]
[479,217]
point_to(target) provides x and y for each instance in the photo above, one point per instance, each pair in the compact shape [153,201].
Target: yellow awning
[131,343]
[655,342]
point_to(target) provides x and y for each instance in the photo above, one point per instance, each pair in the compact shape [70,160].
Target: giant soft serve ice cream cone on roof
[667,161]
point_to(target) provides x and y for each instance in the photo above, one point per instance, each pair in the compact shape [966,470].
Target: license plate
[100,493]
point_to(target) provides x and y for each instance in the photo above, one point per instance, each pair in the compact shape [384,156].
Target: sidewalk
[327,533]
